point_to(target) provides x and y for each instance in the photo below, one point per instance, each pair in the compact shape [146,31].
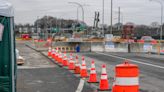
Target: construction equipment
[96,31]
[128,31]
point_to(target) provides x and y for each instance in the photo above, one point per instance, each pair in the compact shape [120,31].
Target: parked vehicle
[20,59]
[147,38]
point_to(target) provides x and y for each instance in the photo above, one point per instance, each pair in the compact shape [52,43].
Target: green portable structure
[7,48]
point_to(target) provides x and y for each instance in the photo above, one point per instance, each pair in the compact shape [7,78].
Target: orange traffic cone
[77,66]
[53,53]
[60,58]
[104,85]
[83,71]
[65,60]
[56,55]
[71,65]
[93,75]
[49,51]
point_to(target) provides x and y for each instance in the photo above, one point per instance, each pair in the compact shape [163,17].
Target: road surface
[151,70]
[151,67]
[39,74]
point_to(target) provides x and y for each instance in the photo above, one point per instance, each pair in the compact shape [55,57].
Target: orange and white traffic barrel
[126,78]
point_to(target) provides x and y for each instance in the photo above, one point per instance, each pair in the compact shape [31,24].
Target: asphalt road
[151,67]
[39,74]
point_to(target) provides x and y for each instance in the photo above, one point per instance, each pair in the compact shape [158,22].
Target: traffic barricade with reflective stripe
[126,78]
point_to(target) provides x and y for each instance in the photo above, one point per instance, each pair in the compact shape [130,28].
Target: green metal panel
[6,54]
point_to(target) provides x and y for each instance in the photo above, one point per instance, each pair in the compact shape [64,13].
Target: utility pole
[77,18]
[103,18]
[111,29]
[37,26]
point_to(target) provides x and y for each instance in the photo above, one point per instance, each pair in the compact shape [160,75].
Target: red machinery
[128,31]
[25,36]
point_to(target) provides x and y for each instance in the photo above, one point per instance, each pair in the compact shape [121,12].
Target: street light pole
[161,21]
[111,29]
[77,14]
[159,48]
[119,17]
[161,17]
[81,8]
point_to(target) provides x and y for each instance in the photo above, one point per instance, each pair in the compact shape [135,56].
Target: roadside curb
[88,84]
[42,54]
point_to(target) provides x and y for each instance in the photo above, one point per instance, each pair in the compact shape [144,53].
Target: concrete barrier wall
[101,46]
[162,46]
[116,48]
[121,47]
[84,47]
[136,47]
[97,46]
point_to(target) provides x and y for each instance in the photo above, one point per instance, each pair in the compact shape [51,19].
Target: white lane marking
[148,64]
[80,86]
[35,67]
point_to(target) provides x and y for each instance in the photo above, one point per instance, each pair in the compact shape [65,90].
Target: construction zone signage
[147,47]
[109,46]
[1,31]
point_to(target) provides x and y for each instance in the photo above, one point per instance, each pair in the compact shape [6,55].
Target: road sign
[147,47]
[109,45]
[109,37]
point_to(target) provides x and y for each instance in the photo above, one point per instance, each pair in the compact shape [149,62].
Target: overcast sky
[136,11]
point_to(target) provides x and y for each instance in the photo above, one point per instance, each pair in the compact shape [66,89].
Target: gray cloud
[137,11]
